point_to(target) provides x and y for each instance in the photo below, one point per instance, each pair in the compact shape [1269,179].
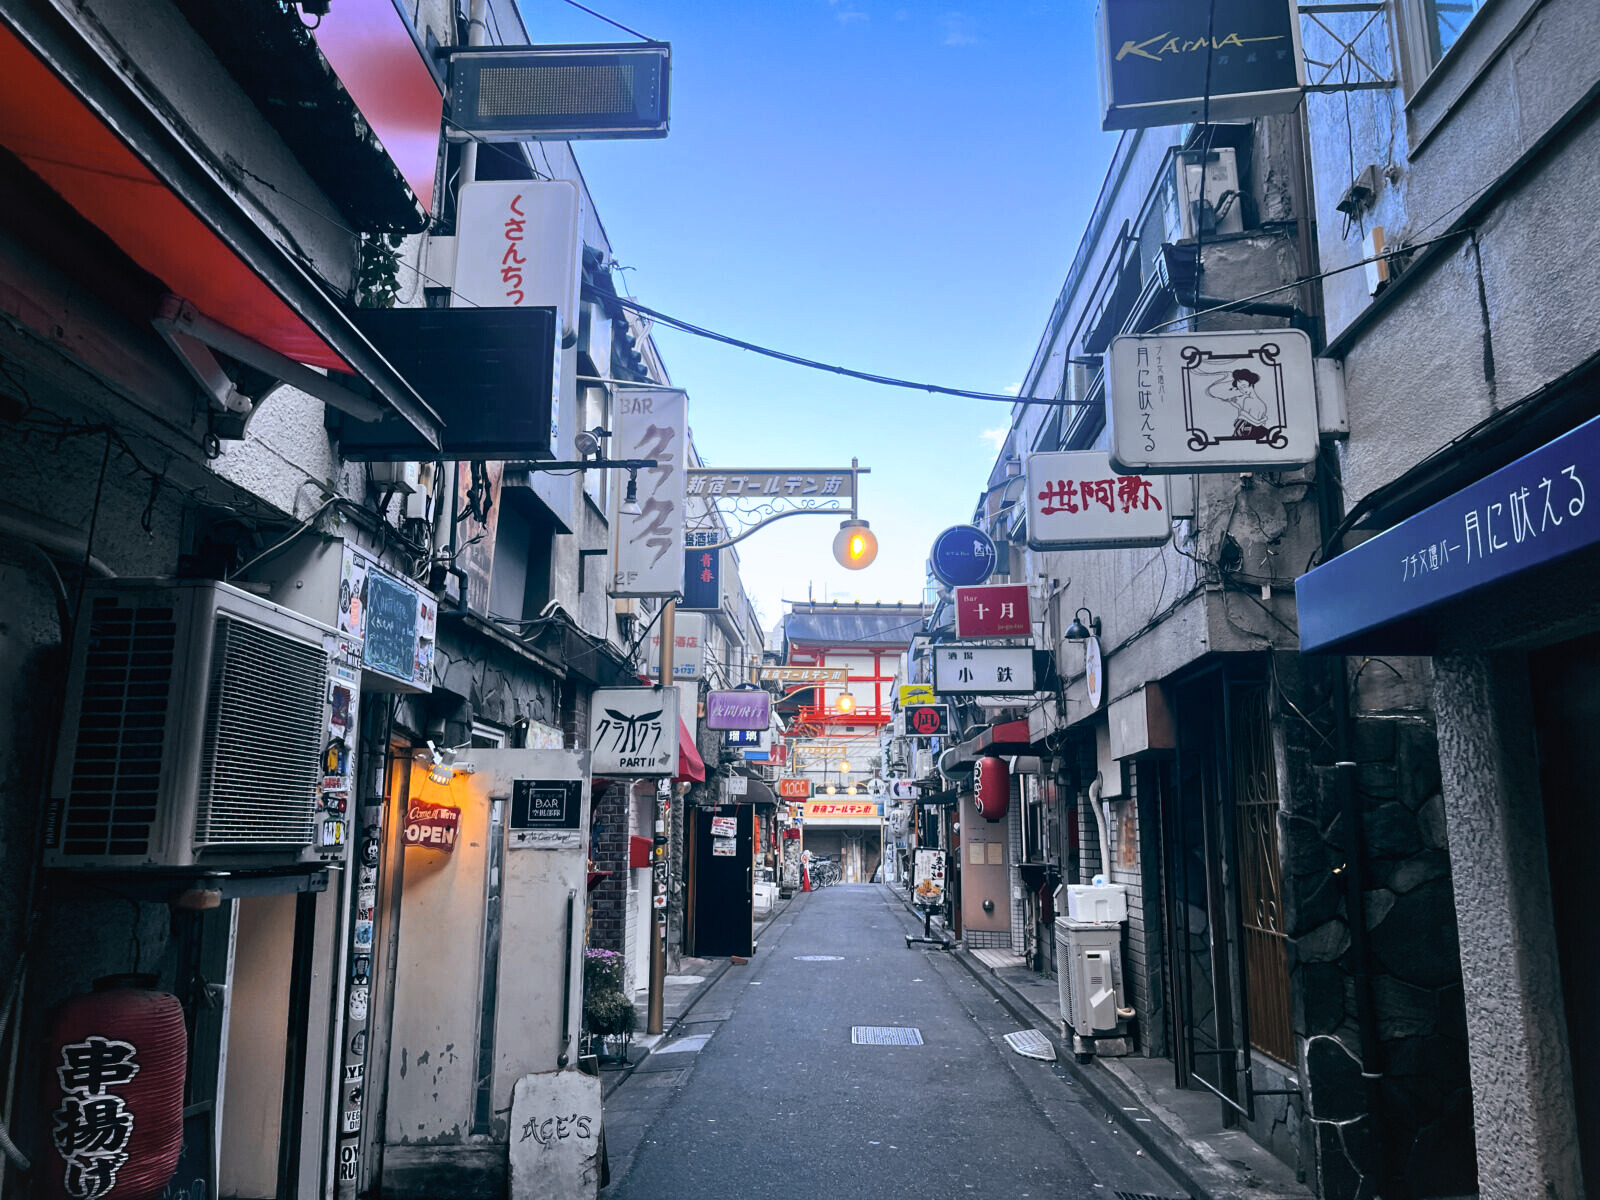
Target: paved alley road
[762,1093]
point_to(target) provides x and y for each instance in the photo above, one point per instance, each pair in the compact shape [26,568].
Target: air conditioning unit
[1209,201]
[196,732]
[1089,977]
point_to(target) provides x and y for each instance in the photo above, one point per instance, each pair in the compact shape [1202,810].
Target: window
[596,402]
[1443,22]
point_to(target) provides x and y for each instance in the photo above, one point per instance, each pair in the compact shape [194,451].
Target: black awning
[490,373]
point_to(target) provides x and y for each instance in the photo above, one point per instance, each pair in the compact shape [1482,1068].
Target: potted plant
[607,1008]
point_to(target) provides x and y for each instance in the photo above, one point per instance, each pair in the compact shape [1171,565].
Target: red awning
[51,130]
[691,767]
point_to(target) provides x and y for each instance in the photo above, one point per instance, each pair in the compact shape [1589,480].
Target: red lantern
[994,788]
[114,1092]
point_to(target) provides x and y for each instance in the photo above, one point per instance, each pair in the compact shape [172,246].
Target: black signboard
[391,645]
[702,580]
[1160,61]
[927,720]
[546,803]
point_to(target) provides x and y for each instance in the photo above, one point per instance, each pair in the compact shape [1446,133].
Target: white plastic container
[1103,903]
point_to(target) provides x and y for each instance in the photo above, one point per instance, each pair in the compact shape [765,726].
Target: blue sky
[893,187]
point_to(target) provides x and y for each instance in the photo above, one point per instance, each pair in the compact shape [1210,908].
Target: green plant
[607,1008]
[378,278]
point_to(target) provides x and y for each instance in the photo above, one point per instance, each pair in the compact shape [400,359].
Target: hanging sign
[688,648]
[983,670]
[652,424]
[546,814]
[702,580]
[748,708]
[962,555]
[793,788]
[518,246]
[837,485]
[998,610]
[1094,671]
[927,720]
[634,731]
[724,827]
[1179,403]
[912,694]
[1076,501]
[1167,62]
[804,675]
[433,826]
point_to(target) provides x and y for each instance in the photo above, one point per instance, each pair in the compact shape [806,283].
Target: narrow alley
[762,1091]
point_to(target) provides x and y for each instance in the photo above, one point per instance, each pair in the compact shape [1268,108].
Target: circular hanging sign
[962,556]
[1094,672]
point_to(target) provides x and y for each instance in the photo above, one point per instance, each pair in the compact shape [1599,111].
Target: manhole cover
[819,958]
[885,1035]
[1032,1043]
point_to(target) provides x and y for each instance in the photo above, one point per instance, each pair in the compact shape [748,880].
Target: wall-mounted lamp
[587,442]
[855,545]
[630,497]
[1078,631]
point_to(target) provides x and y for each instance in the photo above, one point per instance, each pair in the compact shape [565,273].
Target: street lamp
[846,703]
[855,545]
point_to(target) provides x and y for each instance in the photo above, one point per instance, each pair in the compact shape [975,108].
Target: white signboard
[688,647]
[1077,501]
[517,245]
[724,827]
[983,670]
[652,424]
[634,731]
[1179,403]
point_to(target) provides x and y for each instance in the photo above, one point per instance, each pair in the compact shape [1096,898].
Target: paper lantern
[994,788]
[114,1092]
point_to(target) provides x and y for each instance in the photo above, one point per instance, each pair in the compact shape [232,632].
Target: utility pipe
[658,924]
[1102,823]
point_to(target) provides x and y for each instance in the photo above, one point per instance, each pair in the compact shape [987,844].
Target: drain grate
[1033,1044]
[1144,1196]
[885,1035]
[819,958]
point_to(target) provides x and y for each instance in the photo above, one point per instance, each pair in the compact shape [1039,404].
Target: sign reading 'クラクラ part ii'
[634,731]
[1077,502]
[1166,62]
[1181,403]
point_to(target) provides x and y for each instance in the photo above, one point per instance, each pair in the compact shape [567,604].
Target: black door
[724,882]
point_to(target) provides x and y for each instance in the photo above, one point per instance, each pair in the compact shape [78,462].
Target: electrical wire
[609,21]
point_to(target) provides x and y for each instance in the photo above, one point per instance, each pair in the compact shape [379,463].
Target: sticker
[358,1043]
[369,875]
[351,1121]
[659,901]
[363,935]
[358,1003]
[367,894]
[349,1161]
[339,714]
[333,832]
[361,969]
[355,1072]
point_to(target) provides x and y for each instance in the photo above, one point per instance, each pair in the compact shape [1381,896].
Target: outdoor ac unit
[1089,966]
[195,731]
[1209,202]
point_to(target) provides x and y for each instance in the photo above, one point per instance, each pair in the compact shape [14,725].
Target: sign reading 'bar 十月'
[995,610]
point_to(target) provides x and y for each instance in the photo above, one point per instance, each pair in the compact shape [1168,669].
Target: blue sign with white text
[962,555]
[1525,515]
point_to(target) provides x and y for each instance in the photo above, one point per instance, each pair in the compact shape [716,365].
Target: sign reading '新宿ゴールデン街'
[1165,62]
[1077,502]
[1182,403]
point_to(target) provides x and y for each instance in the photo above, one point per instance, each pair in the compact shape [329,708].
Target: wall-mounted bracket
[1352,67]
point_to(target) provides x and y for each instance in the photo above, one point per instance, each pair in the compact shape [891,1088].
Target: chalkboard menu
[391,626]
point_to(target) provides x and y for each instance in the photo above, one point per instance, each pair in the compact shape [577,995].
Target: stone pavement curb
[1166,1146]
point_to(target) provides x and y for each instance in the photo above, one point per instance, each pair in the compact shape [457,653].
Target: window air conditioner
[195,732]
[1209,202]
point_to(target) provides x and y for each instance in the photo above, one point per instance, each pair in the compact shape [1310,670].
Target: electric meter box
[1106,903]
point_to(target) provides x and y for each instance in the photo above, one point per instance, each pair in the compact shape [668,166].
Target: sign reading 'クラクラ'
[999,610]
[1179,403]
[1077,502]
[983,670]
[1165,62]
[652,424]
[634,731]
